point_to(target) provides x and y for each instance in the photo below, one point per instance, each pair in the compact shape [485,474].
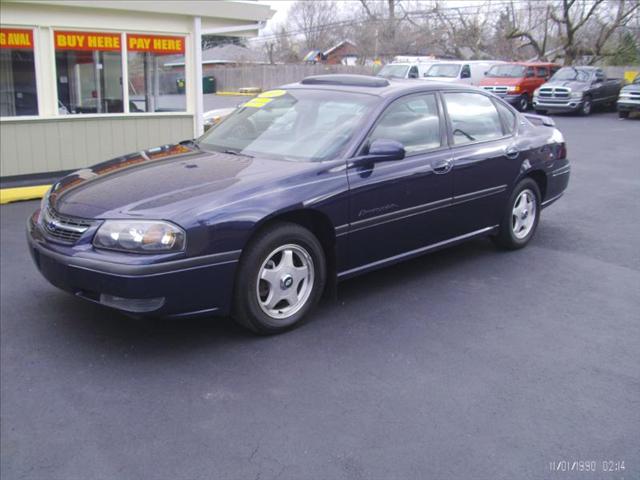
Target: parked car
[213,117]
[576,89]
[516,82]
[466,72]
[404,70]
[629,99]
[301,187]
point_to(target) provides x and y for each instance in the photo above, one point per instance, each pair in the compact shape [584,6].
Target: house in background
[343,53]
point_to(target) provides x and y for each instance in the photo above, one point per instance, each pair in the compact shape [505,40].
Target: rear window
[474,118]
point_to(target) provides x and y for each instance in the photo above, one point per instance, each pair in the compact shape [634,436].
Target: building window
[89,72]
[18,95]
[156,73]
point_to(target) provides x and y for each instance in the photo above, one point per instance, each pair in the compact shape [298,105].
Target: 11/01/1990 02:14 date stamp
[586,466]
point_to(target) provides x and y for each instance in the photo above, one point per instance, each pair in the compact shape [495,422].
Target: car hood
[490,81]
[162,183]
[631,88]
[573,85]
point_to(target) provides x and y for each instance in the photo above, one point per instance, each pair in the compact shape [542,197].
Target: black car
[300,187]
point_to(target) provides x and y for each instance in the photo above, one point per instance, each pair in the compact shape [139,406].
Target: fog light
[134,305]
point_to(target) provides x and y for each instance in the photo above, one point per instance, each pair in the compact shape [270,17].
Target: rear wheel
[280,278]
[521,217]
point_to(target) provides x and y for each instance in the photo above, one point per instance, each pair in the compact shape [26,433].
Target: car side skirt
[414,253]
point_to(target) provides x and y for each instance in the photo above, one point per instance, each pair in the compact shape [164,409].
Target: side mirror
[383,150]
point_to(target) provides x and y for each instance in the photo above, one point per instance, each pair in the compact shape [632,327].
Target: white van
[467,72]
[405,69]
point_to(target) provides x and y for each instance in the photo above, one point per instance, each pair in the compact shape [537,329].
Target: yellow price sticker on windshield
[257,102]
[273,93]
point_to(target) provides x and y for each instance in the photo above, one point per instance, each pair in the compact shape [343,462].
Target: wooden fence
[270,76]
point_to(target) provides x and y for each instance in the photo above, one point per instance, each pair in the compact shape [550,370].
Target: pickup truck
[516,82]
[576,89]
[629,100]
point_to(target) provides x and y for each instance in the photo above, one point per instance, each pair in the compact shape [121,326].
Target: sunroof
[346,80]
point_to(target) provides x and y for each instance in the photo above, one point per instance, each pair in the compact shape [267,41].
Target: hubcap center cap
[286,282]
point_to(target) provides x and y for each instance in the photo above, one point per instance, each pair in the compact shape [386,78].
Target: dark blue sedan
[299,188]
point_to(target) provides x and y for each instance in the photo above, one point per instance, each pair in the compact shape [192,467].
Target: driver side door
[401,205]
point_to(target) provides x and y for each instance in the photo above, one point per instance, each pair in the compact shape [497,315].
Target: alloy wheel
[285,281]
[523,215]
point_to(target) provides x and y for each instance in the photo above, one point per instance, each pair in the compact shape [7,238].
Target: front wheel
[587,106]
[523,103]
[521,217]
[623,114]
[280,278]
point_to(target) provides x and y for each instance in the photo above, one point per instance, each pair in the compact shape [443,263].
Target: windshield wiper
[236,152]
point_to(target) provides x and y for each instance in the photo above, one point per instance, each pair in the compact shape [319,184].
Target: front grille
[554,92]
[497,89]
[62,228]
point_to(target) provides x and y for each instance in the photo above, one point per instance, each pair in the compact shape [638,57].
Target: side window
[543,72]
[508,118]
[413,73]
[412,121]
[599,75]
[473,116]
[530,72]
[466,72]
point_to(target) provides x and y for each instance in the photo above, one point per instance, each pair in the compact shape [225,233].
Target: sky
[281,7]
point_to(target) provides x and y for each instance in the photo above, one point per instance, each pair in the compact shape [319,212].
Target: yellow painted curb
[22,193]
[237,94]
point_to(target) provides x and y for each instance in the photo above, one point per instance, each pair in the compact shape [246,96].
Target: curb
[17,194]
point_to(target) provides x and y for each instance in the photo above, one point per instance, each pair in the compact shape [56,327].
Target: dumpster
[208,85]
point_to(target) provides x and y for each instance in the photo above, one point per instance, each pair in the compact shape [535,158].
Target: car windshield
[297,125]
[571,73]
[394,71]
[448,70]
[506,71]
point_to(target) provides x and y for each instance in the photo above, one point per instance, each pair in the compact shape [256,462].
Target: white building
[82,82]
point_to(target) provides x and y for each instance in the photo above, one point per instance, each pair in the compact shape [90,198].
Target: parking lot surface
[469,363]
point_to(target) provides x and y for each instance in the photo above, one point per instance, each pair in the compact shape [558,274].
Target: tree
[626,51]
[314,22]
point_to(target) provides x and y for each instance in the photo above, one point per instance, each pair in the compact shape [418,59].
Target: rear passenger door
[398,206]
[486,158]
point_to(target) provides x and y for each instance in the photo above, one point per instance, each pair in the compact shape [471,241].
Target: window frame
[360,150]
[47,95]
[450,141]
[37,74]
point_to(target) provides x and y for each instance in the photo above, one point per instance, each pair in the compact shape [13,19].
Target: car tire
[519,223]
[586,107]
[623,114]
[280,278]
[523,103]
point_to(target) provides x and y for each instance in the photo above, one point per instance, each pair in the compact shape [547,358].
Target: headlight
[44,203]
[577,94]
[536,92]
[140,236]
[513,88]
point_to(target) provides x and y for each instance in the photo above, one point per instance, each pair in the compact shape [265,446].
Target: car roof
[371,85]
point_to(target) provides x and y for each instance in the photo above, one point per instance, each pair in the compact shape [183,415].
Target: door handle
[443,166]
[512,152]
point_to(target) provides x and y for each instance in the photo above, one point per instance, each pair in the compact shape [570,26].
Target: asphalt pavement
[470,363]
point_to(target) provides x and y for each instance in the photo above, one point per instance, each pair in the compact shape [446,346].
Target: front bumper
[570,105]
[628,106]
[176,288]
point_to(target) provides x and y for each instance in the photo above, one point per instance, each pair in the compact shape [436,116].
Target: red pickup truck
[516,82]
